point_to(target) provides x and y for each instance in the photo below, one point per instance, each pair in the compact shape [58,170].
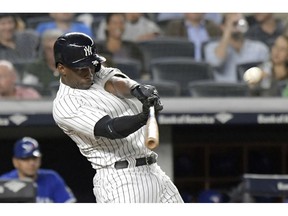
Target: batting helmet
[76,50]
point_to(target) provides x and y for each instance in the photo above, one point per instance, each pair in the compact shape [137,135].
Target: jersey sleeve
[106,73]
[13,174]
[74,114]
[76,118]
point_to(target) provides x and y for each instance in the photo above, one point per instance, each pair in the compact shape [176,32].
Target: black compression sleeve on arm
[119,127]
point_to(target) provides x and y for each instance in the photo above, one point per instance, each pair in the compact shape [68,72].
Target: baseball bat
[152,130]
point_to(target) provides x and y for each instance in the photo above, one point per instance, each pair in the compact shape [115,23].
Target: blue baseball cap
[26,147]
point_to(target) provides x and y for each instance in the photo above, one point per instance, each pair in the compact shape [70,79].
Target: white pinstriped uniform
[76,112]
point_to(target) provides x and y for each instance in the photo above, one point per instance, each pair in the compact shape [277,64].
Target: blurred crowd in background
[182,54]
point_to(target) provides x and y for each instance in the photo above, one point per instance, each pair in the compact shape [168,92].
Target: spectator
[87,19]
[20,23]
[9,89]
[140,28]
[27,161]
[162,17]
[215,17]
[114,45]
[137,28]
[274,71]
[250,18]
[195,28]
[16,45]
[64,22]
[233,48]
[43,72]
[266,29]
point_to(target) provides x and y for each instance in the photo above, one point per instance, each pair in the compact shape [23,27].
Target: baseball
[252,75]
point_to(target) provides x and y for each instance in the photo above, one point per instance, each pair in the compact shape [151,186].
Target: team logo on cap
[29,144]
[88,50]
[28,147]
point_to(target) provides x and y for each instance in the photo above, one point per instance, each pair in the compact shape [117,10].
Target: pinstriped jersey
[76,111]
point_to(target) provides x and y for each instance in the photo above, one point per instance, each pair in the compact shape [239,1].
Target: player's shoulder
[106,72]
[111,70]
[64,95]
[108,69]
[48,173]
[9,175]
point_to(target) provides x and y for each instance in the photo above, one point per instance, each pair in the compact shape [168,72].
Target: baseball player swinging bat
[152,130]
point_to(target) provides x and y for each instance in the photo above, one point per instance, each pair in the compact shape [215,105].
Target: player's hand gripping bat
[152,130]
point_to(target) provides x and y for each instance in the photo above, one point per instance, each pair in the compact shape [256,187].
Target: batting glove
[147,104]
[152,101]
[158,105]
[142,92]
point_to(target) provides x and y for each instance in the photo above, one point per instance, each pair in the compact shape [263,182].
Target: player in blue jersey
[51,188]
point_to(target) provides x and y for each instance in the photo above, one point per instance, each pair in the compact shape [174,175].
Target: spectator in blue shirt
[51,188]
[233,48]
[64,22]
[195,28]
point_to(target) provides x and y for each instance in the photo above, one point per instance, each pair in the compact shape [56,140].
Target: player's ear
[15,162]
[61,69]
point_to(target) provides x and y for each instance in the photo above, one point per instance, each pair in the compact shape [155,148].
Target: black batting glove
[152,101]
[158,105]
[147,104]
[142,92]
[143,116]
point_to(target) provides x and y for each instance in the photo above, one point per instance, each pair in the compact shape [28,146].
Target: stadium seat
[130,67]
[217,89]
[163,47]
[165,88]
[180,70]
[20,66]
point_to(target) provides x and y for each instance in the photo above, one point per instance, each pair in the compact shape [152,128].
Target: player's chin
[85,84]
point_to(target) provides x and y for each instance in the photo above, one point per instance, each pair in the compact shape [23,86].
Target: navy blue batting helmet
[76,50]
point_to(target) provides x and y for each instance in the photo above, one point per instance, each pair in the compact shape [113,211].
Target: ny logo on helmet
[88,50]
[95,62]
